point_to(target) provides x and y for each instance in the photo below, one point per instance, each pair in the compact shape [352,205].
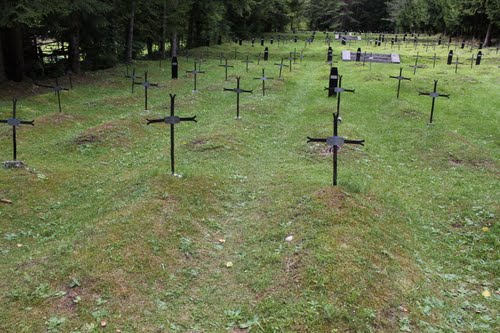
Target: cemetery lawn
[99,237]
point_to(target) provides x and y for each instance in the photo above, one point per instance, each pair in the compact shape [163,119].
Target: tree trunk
[149,46]
[174,44]
[14,59]
[487,39]
[130,35]
[74,50]
[3,77]
[163,30]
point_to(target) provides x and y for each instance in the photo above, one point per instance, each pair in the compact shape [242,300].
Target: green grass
[99,231]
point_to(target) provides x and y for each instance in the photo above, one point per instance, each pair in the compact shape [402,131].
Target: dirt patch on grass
[115,134]
[332,197]
[58,119]
[211,143]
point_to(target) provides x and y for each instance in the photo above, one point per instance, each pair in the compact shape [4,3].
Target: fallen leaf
[229,264]
[486,229]
[19,245]
[7,201]
[103,323]
[486,293]
[402,308]
[222,240]
[289,238]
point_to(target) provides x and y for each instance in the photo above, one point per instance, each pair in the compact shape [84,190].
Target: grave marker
[456,63]
[57,91]
[450,57]
[434,58]
[15,122]
[266,54]
[281,65]
[479,58]
[416,64]
[238,91]
[226,66]
[175,68]
[146,84]
[434,95]
[172,120]
[247,62]
[195,72]
[263,78]
[333,82]
[400,78]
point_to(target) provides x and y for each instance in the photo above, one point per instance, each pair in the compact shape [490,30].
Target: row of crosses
[336,141]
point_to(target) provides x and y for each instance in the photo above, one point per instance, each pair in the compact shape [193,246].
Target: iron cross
[14,122]
[57,89]
[195,72]
[456,63]
[226,67]
[247,62]
[281,68]
[434,95]
[263,78]
[146,84]
[172,120]
[416,64]
[290,58]
[238,91]
[400,78]
[336,142]
[434,60]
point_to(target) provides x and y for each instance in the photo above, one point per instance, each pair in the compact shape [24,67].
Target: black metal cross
[280,65]
[195,72]
[333,81]
[263,78]
[57,89]
[336,142]
[14,122]
[434,60]
[238,91]
[146,84]
[226,67]
[172,120]
[290,58]
[416,64]
[434,95]
[400,78]
[247,62]
[456,63]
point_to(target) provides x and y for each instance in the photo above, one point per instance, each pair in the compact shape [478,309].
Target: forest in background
[96,34]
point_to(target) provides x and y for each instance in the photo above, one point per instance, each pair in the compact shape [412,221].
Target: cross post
[434,95]
[226,67]
[263,78]
[14,122]
[172,120]
[195,72]
[400,78]
[280,65]
[238,91]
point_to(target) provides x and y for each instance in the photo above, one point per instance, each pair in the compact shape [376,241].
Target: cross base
[178,175]
[14,164]
[237,118]
[194,91]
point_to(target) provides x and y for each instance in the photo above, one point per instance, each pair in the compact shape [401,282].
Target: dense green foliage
[103,32]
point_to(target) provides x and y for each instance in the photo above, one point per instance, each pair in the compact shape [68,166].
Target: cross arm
[340,90]
[355,142]
[3,121]
[152,121]
[26,122]
[188,119]
[309,139]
